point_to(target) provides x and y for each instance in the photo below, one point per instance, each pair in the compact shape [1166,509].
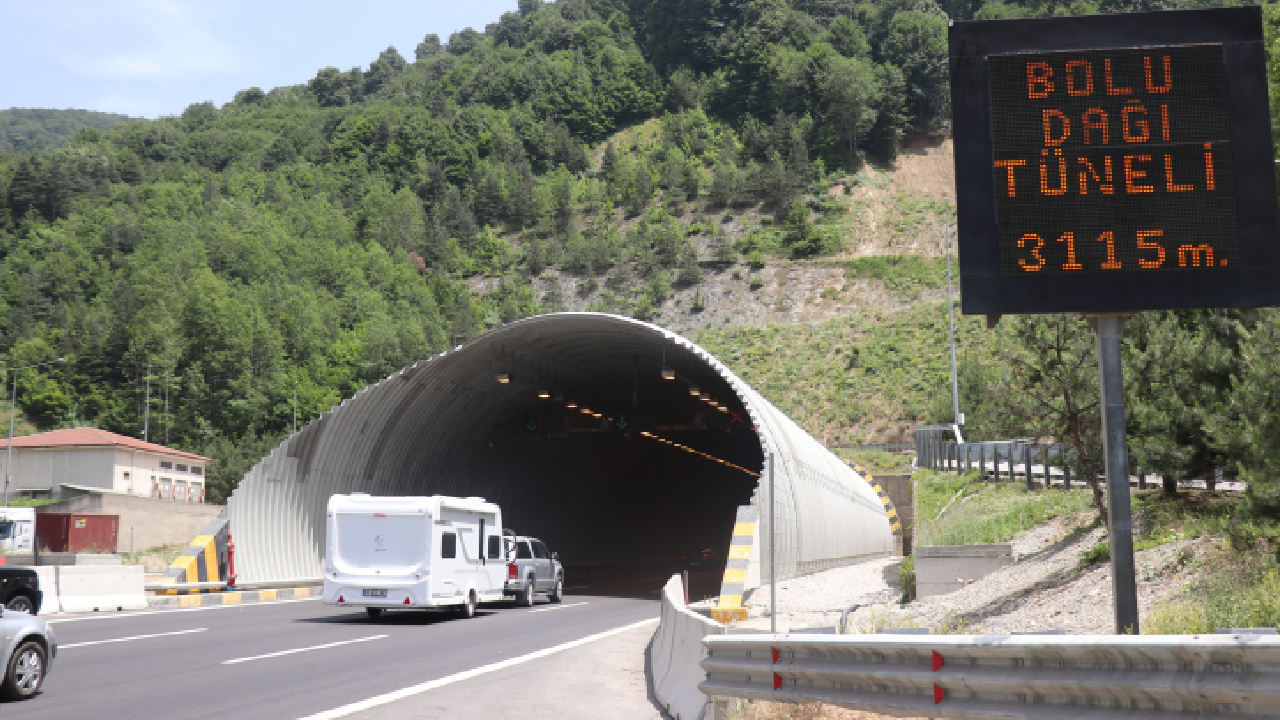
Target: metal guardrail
[222,584]
[211,585]
[1028,676]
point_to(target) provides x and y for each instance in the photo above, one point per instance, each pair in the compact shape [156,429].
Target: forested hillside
[609,153]
[25,130]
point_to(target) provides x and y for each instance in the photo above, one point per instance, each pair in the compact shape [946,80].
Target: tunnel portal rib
[409,434]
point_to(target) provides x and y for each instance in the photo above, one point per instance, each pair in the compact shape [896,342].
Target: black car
[20,589]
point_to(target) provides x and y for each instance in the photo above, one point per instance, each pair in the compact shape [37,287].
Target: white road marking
[558,607]
[132,637]
[200,608]
[468,674]
[305,649]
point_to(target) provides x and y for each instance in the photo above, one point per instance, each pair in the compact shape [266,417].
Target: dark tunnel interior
[618,490]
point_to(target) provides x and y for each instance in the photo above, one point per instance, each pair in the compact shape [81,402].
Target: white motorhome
[413,552]
[17,529]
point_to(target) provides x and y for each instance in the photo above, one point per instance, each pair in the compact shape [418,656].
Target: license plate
[375,593]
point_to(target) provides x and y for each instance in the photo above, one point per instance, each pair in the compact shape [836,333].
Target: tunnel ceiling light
[668,373]
[571,404]
[699,453]
[503,378]
[712,402]
[544,394]
[694,391]
[596,415]
[724,408]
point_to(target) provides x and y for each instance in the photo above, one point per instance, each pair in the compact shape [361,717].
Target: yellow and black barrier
[895,522]
[204,560]
[729,607]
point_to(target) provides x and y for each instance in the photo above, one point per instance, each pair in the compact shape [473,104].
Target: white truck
[413,552]
[17,529]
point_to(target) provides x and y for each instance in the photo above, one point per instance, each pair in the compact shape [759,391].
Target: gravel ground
[1042,590]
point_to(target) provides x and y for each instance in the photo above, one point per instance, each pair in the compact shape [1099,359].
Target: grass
[978,512]
[905,275]
[847,379]
[1241,591]
[29,502]
[876,462]
[156,559]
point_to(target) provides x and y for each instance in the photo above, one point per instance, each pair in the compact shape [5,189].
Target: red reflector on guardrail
[939,694]
[777,681]
[937,661]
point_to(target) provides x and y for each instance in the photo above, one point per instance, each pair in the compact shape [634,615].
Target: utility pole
[951,329]
[146,410]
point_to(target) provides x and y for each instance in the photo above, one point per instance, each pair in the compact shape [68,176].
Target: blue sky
[149,58]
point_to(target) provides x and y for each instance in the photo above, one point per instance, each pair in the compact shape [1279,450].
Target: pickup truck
[20,589]
[531,568]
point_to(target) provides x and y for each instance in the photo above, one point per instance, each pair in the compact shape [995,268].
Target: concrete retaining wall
[144,522]
[899,489]
[676,652]
[941,569]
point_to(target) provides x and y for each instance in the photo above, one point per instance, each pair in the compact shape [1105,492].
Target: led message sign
[1114,163]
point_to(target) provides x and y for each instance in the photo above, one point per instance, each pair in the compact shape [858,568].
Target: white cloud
[144,40]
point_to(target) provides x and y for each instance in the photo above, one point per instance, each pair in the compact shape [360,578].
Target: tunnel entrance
[614,441]
[629,467]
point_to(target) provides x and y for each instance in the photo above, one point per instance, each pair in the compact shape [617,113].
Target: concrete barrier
[943,568]
[93,588]
[675,654]
[47,576]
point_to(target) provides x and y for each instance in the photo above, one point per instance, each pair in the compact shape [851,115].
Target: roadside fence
[996,460]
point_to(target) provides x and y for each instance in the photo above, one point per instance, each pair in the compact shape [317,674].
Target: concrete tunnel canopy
[659,475]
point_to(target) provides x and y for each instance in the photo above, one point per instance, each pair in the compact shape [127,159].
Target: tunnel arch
[649,470]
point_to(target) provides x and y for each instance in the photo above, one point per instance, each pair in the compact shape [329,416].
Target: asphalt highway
[299,658]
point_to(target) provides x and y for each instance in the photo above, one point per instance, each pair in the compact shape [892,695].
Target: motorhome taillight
[379,514]
[513,572]
[406,601]
[340,599]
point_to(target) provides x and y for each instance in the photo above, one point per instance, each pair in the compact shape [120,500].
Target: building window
[126,474]
[166,465]
[182,468]
[197,470]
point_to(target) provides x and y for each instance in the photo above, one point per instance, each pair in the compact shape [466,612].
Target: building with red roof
[67,462]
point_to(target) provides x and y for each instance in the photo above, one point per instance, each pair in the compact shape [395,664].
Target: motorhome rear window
[448,545]
[381,540]
[540,550]
[495,547]
[522,551]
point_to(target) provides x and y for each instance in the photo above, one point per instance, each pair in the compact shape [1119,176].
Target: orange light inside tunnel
[686,448]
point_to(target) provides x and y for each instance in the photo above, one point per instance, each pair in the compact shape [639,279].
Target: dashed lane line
[132,637]
[549,608]
[295,651]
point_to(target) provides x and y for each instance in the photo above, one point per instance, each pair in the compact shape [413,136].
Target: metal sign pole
[773,554]
[1119,518]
